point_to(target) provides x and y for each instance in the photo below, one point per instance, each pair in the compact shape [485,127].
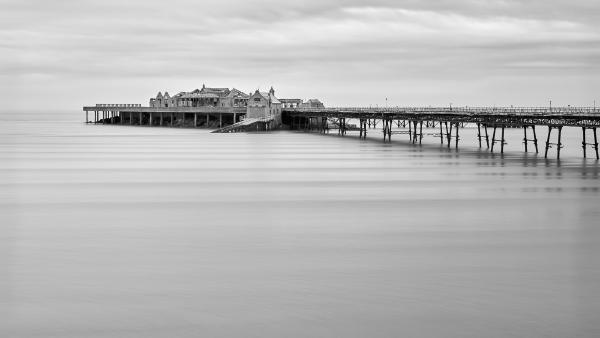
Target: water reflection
[120,231]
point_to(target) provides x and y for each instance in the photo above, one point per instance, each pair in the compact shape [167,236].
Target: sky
[64,54]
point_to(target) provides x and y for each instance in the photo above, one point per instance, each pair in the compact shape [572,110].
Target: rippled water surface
[117,231]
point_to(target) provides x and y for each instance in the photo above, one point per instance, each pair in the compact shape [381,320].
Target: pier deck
[132,114]
[449,118]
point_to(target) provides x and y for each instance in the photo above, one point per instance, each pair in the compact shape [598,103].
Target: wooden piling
[479,133]
[421,133]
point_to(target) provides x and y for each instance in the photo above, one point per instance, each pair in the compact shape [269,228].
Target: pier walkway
[411,119]
[449,118]
[249,124]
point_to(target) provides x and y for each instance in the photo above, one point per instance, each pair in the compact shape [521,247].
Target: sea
[125,231]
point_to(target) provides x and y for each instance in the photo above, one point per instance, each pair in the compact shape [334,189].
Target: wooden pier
[450,119]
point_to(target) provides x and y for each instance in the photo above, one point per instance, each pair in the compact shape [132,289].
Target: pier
[491,122]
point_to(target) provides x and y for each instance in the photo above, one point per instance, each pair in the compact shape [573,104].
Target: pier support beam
[361,121]
[457,138]
[441,134]
[141,118]
[559,144]
[220,120]
[479,133]
[596,144]
[526,140]
[415,134]
[196,120]
[548,141]
[502,142]
[161,119]
[535,140]
[150,120]
[493,139]
[207,120]
[584,143]
[448,132]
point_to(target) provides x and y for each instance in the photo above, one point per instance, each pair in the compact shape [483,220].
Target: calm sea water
[116,231]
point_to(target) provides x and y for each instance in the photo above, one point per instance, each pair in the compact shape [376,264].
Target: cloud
[314,47]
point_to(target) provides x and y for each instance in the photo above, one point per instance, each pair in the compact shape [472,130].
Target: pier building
[312,103]
[291,103]
[205,97]
[264,105]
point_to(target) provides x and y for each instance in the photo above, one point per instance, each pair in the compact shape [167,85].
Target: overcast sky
[465,52]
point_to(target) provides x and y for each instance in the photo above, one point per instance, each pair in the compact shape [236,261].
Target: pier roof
[200,96]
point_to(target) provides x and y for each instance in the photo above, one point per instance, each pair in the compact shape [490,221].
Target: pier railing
[592,111]
[118,105]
